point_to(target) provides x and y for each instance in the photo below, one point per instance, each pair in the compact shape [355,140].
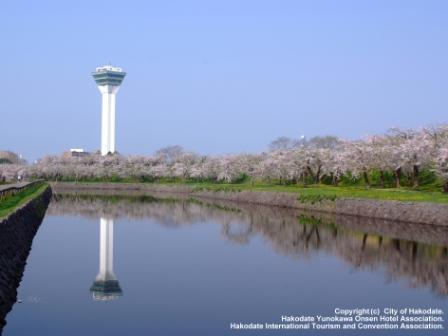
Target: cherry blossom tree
[400,152]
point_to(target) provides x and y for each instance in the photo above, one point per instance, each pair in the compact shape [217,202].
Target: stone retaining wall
[16,236]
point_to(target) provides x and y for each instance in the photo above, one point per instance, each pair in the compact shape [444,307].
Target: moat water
[139,265]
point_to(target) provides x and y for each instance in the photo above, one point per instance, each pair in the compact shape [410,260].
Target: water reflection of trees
[416,253]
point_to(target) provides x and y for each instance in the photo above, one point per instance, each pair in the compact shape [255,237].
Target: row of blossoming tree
[399,157]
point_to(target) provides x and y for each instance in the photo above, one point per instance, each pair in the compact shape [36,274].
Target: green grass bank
[311,193]
[398,204]
[316,193]
[10,204]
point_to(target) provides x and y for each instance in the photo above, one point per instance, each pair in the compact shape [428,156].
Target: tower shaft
[106,285]
[106,270]
[108,94]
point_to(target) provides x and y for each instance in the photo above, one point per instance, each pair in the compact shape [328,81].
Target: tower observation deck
[108,79]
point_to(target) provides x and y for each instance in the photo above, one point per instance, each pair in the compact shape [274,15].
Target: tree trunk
[397,173]
[310,172]
[317,179]
[366,178]
[414,253]
[414,177]
[445,187]
[382,179]
[364,241]
[305,175]
[396,244]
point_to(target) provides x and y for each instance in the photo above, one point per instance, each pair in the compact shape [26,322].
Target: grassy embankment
[9,204]
[314,192]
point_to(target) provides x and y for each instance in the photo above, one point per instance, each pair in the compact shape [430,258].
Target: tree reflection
[416,253]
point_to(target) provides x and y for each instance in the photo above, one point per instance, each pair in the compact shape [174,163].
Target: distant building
[76,152]
[9,157]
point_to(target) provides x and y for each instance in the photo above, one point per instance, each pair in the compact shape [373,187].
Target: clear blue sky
[219,76]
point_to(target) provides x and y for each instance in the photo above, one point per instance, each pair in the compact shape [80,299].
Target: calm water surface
[140,266]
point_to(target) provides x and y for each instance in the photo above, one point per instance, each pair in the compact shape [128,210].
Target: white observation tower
[108,79]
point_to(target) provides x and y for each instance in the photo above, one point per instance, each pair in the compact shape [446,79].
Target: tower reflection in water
[106,286]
